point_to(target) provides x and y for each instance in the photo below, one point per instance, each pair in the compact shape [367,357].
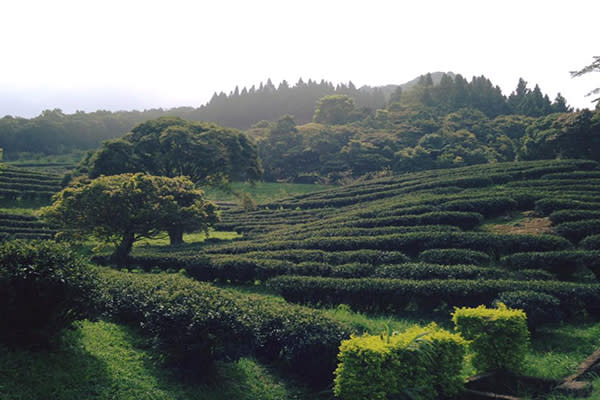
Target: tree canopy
[122,208]
[171,146]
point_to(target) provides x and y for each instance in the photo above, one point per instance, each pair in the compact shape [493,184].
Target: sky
[129,54]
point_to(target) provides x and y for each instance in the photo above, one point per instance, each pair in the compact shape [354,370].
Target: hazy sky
[125,54]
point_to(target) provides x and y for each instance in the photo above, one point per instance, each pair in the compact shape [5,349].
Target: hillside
[23,189]
[365,244]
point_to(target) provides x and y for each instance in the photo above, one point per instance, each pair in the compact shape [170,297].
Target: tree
[123,208]
[334,109]
[593,67]
[170,146]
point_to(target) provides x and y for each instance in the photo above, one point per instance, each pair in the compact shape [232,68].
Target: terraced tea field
[21,189]
[418,242]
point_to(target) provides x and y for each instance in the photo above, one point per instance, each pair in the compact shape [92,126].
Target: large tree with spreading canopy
[122,208]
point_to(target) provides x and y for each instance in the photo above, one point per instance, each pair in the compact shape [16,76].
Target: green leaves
[129,206]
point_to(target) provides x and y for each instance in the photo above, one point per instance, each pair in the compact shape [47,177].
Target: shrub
[193,323]
[422,270]
[591,242]
[454,256]
[384,295]
[577,230]
[547,206]
[540,308]
[499,337]
[561,263]
[463,220]
[424,361]
[44,287]
[558,217]
[488,206]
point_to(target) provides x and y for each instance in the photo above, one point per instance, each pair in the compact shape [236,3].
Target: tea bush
[455,256]
[44,287]
[498,336]
[425,362]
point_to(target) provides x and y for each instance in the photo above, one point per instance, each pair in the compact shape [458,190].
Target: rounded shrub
[499,336]
[44,287]
[541,308]
[422,362]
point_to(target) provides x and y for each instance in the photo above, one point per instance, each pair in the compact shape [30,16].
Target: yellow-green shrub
[424,362]
[499,336]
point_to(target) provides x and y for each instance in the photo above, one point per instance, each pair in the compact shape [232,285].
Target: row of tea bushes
[575,231]
[561,216]
[384,295]
[349,231]
[561,263]
[410,243]
[194,323]
[455,256]
[24,227]
[17,183]
[463,220]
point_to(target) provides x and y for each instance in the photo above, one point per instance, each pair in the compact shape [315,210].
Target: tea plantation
[410,247]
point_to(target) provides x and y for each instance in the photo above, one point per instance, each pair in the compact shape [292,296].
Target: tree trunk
[119,257]
[176,235]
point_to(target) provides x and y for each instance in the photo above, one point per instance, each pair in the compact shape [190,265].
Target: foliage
[195,323]
[577,230]
[44,287]
[173,147]
[422,362]
[334,109]
[129,206]
[498,337]
[561,263]
[397,295]
[540,308]
[455,256]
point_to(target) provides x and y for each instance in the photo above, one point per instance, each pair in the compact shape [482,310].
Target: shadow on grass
[102,360]
[68,372]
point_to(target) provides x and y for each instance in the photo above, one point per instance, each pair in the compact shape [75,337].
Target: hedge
[426,362]
[384,295]
[562,263]
[44,287]
[548,206]
[488,206]
[455,256]
[498,337]
[463,220]
[541,308]
[558,217]
[422,271]
[577,230]
[194,323]
[410,243]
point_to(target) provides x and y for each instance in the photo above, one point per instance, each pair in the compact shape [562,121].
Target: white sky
[124,54]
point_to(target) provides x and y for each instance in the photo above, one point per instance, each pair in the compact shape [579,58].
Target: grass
[557,351]
[263,192]
[519,224]
[102,360]
[195,237]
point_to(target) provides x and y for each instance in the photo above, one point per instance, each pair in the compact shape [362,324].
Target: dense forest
[54,132]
